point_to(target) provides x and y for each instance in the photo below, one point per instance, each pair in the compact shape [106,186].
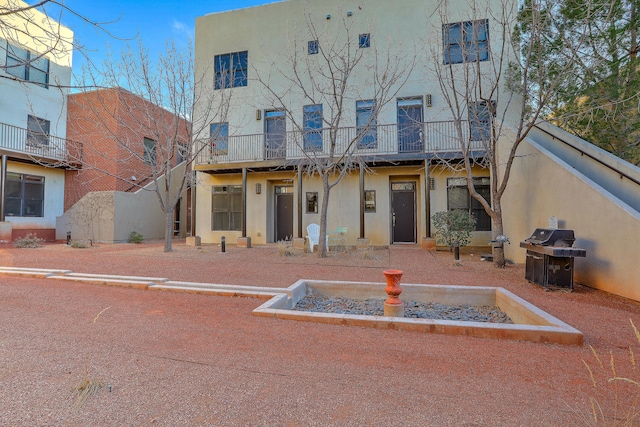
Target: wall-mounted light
[328,16]
[349,13]
[428,100]
[432,183]
[258,114]
[258,188]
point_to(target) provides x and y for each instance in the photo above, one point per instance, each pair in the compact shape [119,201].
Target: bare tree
[324,86]
[495,88]
[145,109]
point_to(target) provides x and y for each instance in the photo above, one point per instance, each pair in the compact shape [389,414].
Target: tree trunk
[322,240]
[498,229]
[168,230]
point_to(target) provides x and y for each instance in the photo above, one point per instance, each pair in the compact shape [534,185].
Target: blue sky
[154,21]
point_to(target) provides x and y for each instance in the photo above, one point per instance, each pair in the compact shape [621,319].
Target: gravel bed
[412,309]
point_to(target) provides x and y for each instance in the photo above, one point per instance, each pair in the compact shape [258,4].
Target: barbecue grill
[550,254]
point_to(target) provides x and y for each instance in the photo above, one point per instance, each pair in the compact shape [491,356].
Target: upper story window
[366,124]
[231,69]
[37,131]
[466,41]
[149,151]
[364,40]
[24,195]
[480,116]
[312,47]
[26,65]
[312,126]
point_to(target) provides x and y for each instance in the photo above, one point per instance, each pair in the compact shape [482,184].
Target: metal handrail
[39,145]
[380,140]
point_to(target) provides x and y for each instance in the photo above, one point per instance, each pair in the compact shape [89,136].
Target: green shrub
[453,226]
[135,237]
[28,241]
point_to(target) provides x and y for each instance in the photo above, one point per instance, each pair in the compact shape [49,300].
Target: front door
[283,213]
[275,134]
[403,212]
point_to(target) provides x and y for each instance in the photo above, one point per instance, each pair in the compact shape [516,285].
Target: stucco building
[332,82]
[35,73]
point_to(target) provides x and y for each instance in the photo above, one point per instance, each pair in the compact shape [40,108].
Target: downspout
[362,201]
[244,202]
[300,201]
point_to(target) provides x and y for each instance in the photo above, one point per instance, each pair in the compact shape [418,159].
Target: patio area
[189,359]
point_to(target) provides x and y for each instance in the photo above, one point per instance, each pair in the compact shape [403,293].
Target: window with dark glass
[219,138]
[480,120]
[466,41]
[226,207]
[312,47]
[24,195]
[312,127]
[364,40]
[370,200]
[312,202]
[27,65]
[459,198]
[366,124]
[231,70]
[37,131]
[149,151]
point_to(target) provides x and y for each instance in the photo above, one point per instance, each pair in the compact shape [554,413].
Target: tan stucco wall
[542,186]
[111,216]
[344,203]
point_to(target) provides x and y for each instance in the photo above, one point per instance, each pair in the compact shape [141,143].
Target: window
[149,151]
[466,41]
[182,152]
[231,70]
[312,127]
[410,118]
[480,120]
[312,202]
[458,197]
[27,65]
[366,124]
[370,200]
[226,207]
[24,195]
[364,40]
[37,132]
[312,47]
[219,138]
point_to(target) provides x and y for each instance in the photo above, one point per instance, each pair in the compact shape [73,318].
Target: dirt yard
[169,359]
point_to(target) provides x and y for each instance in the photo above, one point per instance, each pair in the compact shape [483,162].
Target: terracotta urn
[393,288]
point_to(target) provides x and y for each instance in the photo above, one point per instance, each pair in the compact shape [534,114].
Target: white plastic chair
[313,234]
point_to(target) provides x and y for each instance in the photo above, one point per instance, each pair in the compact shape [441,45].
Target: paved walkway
[185,359]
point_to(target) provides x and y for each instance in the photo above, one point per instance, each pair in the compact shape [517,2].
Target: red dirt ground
[186,359]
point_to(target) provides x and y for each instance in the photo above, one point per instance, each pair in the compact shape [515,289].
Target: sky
[154,21]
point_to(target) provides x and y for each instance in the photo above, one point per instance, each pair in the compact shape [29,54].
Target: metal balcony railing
[39,146]
[377,142]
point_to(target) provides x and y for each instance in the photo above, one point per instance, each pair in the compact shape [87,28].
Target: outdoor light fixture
[328,16]
[432,183]
[258,114]
[258,188]
[349,13]
[428,100]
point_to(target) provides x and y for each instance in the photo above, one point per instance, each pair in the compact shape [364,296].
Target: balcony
[382,143]
[41,148]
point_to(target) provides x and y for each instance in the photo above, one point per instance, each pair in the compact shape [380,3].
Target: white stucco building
[35,74]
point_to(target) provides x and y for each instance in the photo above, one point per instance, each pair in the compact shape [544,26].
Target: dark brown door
[403,212]
[283,213]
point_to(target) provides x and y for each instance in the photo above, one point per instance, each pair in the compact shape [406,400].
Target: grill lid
[552,237]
